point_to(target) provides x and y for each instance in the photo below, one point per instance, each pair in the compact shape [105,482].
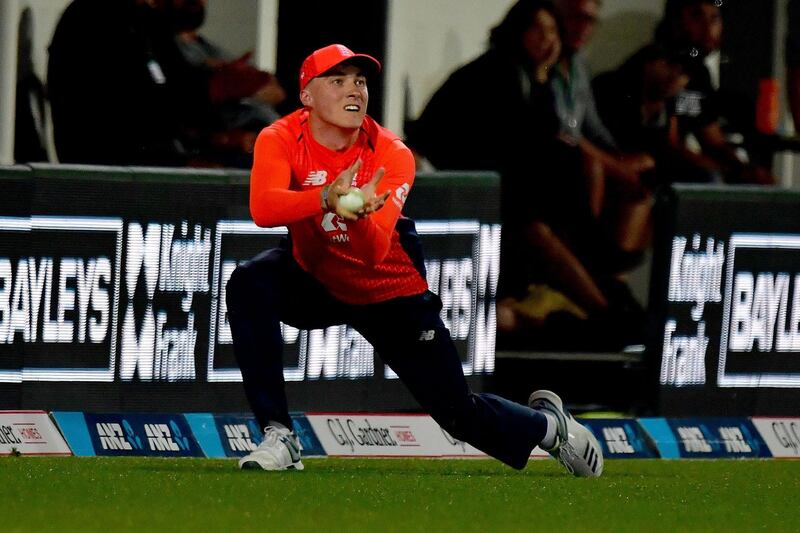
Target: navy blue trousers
[272,288]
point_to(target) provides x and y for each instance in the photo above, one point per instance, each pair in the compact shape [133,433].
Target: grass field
[81,494]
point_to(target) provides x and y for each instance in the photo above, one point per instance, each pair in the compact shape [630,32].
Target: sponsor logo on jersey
[333,223]
[401,194]
[315,178]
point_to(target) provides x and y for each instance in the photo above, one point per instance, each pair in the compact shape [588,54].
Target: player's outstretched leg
[575,447]
[280,450]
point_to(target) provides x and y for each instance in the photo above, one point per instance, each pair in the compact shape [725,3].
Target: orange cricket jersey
[359,262]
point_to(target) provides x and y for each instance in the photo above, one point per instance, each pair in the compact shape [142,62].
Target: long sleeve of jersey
[364,261]
[272,202]
[372,235]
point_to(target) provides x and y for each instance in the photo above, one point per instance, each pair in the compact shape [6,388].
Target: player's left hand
[342,184]
[372,201]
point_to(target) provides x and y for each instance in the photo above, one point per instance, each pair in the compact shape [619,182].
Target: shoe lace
[562,434]
[271,437]
[563,451]
[566,456]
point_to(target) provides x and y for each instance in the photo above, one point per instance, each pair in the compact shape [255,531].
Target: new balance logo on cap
[316,177]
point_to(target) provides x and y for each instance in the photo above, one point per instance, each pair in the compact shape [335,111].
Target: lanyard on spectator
[567,98]
[567,84]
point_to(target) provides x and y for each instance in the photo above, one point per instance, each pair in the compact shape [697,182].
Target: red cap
[326,58]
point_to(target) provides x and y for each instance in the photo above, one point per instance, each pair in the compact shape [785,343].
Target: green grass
[396,495]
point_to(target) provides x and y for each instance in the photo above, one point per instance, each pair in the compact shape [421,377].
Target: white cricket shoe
[280,450]
[575,448]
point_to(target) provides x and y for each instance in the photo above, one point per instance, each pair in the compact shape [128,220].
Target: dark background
[199,197]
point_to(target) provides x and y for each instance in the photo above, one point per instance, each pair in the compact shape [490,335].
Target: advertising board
[725,301]
[112,292]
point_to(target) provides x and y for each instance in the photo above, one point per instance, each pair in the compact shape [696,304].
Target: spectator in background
[635,102]
[611,236]
[498,113]
[495,126]
[696,27]
[123,93]
[29,121]
[235,119]
[793,60]
[575,103]
[498,126]
[119,89]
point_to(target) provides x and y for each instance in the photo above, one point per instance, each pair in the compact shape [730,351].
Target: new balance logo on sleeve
[315,178]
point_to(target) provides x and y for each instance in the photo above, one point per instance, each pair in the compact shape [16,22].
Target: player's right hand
[339,187]
[343,183]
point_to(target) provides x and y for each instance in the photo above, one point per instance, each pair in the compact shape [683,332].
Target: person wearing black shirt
[695,27]
[120,92]
[636,102]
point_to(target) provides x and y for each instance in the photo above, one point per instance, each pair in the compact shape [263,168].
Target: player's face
[580,18]
[339,97]
[702,25]
[541,39]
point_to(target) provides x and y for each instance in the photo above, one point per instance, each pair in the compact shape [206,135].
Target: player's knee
[251,288]
[238,287]
[458,421]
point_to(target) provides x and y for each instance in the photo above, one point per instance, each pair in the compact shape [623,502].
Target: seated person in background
[243,99]
[586,253]
[29,117]
[491,112]
[122,92]
[793,61]
[575,105]
[119,89]
[696,27]
[635,103]
[552,250]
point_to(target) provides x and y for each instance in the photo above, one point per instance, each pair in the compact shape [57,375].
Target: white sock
[549,440]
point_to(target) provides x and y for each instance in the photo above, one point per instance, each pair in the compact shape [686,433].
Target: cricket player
[362,266]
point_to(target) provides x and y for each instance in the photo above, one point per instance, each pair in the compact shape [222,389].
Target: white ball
[353,201]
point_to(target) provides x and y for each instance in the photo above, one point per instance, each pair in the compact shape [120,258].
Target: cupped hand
[342,185]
